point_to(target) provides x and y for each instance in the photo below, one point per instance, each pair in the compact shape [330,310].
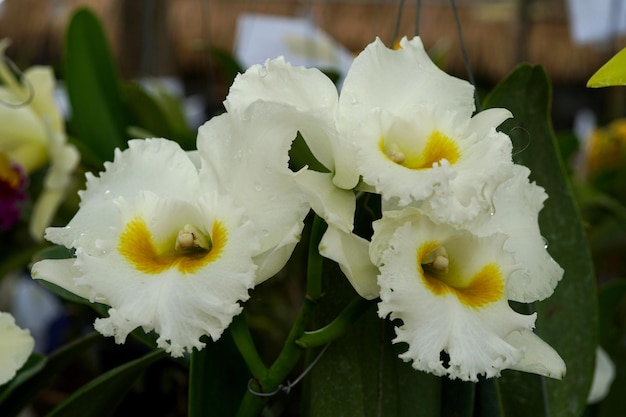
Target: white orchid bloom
[32,134]
[450,289]
[245,154]
[415,137]
[308,100]
[16,345]
[515,211]
[161,250]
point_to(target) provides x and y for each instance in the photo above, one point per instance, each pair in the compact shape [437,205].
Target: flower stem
[337,327]
[243,339]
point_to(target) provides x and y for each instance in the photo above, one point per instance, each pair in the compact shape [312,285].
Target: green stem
[315,260]
[243,339]
[341,324]
[253,404]
[198,382]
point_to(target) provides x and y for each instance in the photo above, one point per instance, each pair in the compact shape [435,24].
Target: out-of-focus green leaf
[568,319]
[360,374]
[612,306]
[488,399]
[100,397]
[216,386]
[611,73]
[160,113]
[99,115]
[457,397]
[23,392]
[227,65]
[32,367]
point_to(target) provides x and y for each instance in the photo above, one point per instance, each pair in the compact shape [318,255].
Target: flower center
[437,147]
[188,251]
[9,173]
[442,276]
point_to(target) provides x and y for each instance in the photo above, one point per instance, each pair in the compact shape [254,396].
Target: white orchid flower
[515,211]
[16,345]
[245,154]
[308,100]
[416,140]
[32,134]
[161,250]
[450,289]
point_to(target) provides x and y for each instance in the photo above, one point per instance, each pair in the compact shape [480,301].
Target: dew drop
[272,197]
[354,101]
[545,242]
[263,72]
[265,232]
[258,186]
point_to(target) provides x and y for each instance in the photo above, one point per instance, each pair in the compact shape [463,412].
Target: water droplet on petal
[257,186]
[354,101]
[545,242]
[263,72]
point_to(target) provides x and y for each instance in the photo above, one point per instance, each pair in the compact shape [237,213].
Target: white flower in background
[415,137]
[32,134]
[16,346]
[603,377]
[450,289]
[245,154]
[163,251]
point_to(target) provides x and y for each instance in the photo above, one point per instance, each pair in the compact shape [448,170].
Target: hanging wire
[287,387]
[29,87]
[396,28]
[418,10]
[468,67]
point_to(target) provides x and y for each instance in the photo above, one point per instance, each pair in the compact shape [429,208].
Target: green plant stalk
[252,404]
[337,327]
[315,260]
[243,340]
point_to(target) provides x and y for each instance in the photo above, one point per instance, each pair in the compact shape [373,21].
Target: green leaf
[612,73]
[360,374]
[567,320]
[99,115]
[32,367]
[24,390]
[612,302]
[160,113]
[217,380]
[101,396]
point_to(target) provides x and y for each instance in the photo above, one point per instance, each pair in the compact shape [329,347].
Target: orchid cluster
[175,241]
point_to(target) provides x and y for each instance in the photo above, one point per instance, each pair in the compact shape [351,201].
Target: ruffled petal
[448,287]
[401,82]
[181,297]
[336,206]
[305,90]
[434,160]
[516,206]
[16,346]
[156,165]
[246,155]
[351,253]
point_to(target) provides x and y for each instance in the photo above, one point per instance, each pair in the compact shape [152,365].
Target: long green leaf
[612,301]
[99,115]
[568,319]
[100,397]
[28,386]
[360,374]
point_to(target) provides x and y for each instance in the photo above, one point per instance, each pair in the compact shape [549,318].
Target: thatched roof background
[498,35]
